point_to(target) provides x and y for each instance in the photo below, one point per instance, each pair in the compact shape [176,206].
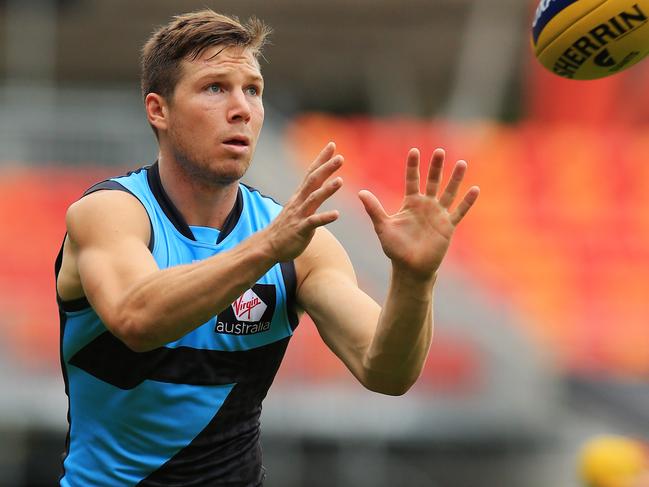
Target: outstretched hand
[294,227]
[417,237]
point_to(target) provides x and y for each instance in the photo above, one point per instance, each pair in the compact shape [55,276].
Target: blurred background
[541,312]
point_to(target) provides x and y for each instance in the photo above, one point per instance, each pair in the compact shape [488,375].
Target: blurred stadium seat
[32,208]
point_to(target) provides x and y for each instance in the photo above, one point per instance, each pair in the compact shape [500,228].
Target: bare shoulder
[109,214]
[103,225]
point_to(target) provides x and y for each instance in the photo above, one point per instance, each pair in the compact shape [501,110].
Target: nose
[239,109]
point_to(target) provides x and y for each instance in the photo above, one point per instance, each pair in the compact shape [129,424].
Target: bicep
[345,316]
[109,232]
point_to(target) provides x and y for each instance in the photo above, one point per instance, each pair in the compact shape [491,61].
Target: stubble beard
[199,170]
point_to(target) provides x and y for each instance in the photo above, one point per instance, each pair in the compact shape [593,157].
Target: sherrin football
[589,39]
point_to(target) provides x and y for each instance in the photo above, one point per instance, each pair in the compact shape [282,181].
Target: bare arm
[385,348]
[147,307]
[361,333]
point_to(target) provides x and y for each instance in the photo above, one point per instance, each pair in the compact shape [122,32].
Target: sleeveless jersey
[186,413]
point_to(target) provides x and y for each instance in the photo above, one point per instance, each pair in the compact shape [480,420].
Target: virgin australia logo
[250,313]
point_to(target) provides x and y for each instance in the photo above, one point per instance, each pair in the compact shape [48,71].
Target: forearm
[398,350]
[170,303]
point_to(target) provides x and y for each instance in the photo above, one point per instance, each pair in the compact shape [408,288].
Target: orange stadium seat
[32,208]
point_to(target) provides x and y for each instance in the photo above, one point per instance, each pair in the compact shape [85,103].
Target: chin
[226,179]
[218,167]
[226,174]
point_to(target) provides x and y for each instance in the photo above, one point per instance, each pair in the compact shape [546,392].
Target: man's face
[216,113]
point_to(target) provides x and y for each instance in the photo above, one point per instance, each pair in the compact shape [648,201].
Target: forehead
[223,60]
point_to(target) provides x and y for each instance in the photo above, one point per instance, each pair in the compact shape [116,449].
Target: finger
[435,172]
[412,172]
[373,207]
[325,154]
[321,219]
[315,179]
[319,196]
[465,205]
[453,185]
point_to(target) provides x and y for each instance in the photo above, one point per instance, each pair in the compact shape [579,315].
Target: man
[179,287]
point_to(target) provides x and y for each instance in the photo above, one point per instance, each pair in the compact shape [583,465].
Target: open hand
[294,227]
[417,237]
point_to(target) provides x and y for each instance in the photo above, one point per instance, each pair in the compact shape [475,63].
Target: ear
[157,111]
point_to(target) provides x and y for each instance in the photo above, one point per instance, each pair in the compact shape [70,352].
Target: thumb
[373,207]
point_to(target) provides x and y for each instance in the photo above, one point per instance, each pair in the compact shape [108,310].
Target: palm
[418,235]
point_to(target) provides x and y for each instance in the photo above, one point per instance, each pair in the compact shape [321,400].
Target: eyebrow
[219,74]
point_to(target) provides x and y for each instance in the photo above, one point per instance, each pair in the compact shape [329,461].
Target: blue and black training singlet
[186,414]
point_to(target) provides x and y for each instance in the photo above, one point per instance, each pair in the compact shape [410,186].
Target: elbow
[389,390]
[134,334]
[390,380]
[389,386]
[137,343]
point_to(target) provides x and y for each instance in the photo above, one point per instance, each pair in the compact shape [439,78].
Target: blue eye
[252,90]
[214,88]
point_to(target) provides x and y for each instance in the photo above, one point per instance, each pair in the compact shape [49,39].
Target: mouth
[237,141]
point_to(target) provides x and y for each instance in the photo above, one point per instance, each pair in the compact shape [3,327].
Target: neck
[199,202]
